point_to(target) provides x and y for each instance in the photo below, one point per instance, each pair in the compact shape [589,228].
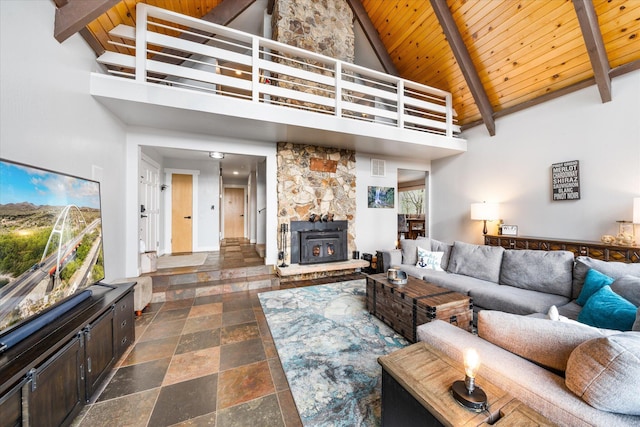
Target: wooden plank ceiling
[521,51]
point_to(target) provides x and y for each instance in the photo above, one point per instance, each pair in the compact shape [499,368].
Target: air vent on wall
[378,168]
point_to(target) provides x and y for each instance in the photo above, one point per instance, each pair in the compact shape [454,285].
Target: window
[411,202]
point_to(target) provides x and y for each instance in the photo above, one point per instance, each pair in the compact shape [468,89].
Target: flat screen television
[50,242]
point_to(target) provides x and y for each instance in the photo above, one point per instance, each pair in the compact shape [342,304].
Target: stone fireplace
[316,192]
[318,242]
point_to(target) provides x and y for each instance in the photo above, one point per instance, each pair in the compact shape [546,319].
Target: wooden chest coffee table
[405,307]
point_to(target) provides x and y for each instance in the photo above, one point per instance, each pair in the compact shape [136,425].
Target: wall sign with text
[565,180]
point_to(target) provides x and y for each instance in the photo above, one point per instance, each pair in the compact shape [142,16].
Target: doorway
[234,208]
[412,209]
[181,213]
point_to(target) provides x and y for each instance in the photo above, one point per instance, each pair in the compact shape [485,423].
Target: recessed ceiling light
[235,172]
[216,155]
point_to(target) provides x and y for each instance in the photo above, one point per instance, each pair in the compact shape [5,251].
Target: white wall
[48,118]
[513,168]
[378,228]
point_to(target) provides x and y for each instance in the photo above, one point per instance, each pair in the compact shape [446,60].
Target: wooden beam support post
[469,71]
[76,14]
[227,11]
[374,38]
[595,46]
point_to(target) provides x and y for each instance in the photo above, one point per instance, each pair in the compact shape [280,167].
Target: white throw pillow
[429,260]
[557,317]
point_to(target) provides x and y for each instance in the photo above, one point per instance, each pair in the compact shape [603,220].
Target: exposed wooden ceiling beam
[469,71]
[595,46]
[76,14]
[227,11]
[271,4]
[374,38]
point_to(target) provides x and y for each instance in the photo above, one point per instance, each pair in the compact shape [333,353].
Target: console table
[415,392]
[46,378]
[596,250]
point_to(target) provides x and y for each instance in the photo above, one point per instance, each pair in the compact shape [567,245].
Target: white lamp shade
[485,211]
[636,210]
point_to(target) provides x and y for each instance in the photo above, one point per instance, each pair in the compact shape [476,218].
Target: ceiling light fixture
[235,172]
[216,155]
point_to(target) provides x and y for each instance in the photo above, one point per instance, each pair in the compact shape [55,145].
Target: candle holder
[467,393]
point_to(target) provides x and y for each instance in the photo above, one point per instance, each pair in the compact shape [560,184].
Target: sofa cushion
[606,309]
[410,250]
[605,371]
[636,324]
[593,282]
[542,341]
[570,310]
[628,287]
[429,260]
[479,261]
[546,271]
[541,389]
[515,300]
[611,269]
[455,282]
[390,257]
[439,246]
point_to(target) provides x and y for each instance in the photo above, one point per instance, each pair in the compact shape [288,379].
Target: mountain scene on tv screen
[50,239]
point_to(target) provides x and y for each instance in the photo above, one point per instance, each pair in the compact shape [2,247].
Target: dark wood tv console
[596,250]
[46,379]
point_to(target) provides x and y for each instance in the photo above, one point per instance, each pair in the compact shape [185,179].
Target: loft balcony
[180,73]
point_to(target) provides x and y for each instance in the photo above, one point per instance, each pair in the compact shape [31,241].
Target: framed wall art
[509,230]
[381,197]
[565,181]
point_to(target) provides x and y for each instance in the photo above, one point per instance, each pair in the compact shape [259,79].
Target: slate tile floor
[205,361]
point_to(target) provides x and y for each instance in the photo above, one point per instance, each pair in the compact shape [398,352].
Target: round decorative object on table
[397,277]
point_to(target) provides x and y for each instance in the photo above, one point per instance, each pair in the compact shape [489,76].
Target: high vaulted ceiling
[495,57]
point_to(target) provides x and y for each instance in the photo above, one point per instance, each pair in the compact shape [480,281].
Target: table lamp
[466,393]
[484,212]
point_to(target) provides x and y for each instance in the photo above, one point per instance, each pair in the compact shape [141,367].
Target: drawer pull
[123,341]
[124,323]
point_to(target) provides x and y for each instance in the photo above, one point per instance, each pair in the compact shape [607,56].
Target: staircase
[192,283]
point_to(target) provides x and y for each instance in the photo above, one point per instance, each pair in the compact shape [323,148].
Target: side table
[415,392]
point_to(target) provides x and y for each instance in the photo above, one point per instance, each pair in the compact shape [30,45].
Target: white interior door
[149,209]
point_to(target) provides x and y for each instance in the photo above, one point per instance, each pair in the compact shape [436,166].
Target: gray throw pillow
[604,372]
[438,246]
[628,287]
[479,261]
[410,249]
[543,341]
[611,269]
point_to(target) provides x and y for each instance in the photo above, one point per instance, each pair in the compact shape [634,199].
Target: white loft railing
[168,48]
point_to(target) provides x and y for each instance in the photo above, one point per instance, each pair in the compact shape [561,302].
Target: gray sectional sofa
[515,281]
[572,373]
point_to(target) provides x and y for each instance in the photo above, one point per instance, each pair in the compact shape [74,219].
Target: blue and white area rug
[329,347]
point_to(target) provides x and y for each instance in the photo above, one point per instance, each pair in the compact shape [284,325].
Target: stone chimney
[320,26]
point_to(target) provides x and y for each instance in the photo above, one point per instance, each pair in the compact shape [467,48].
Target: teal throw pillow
[593,282]
[606,309]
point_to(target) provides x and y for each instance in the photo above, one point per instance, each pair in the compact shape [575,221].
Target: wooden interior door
[181,213]
[233,213]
